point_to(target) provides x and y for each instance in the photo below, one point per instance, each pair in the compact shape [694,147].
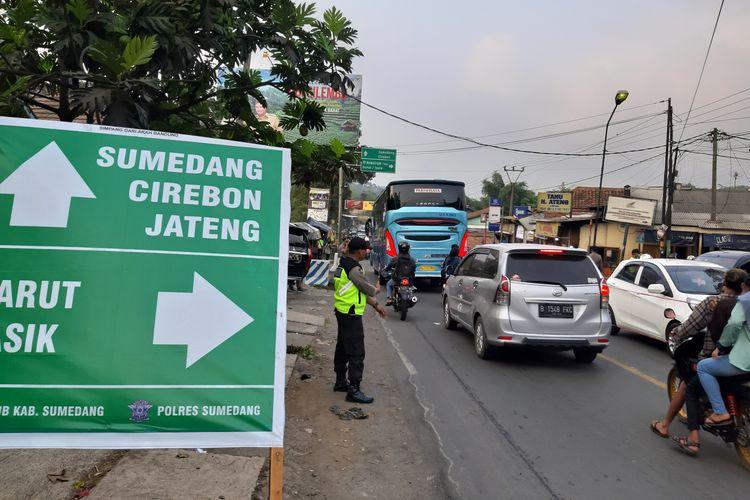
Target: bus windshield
[426,195]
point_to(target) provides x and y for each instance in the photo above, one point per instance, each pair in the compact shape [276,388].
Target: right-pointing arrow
[202,319]
[42,187]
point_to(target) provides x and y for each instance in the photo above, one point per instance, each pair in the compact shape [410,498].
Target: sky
[486,69]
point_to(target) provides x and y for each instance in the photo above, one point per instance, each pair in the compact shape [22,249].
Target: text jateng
[191,194]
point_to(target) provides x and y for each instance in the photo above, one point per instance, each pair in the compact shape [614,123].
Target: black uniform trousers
[350,348]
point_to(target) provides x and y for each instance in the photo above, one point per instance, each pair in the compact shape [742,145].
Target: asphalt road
[535,424]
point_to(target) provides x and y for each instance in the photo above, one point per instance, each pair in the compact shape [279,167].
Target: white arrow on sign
[202,319]
[42,187]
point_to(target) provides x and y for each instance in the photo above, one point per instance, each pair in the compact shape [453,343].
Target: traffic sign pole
[378,160]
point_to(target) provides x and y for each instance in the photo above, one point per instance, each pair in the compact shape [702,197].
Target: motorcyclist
[701,318]
[690,444]
[450,264]
[403,266]
[735,340]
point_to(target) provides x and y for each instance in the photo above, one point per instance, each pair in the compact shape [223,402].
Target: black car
[300,253]
[728,259]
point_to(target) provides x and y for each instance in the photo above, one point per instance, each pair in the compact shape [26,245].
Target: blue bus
[428,214]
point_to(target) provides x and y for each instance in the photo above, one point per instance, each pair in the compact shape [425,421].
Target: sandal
[685,445]
[354,413]
[655,429]
[711,420]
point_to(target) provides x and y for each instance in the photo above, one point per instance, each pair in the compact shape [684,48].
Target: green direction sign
[142,288]
[378,160]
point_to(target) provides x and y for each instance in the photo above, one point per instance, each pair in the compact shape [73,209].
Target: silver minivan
[532,295]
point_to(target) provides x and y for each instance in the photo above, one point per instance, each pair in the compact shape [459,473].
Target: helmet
[403,247]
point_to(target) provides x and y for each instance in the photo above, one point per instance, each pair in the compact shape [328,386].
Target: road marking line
[60,386]
[634,371]
[428,410]
[135,250]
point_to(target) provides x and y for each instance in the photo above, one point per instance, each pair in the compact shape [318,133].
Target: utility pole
[668,147]
[519,171]
[670,198]
[714,141]
[341,196]
[671,175]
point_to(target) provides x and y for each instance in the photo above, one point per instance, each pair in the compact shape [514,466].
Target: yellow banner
[554,202]
[548,229]
[367,205]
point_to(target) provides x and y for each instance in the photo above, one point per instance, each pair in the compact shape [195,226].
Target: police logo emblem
[139,411]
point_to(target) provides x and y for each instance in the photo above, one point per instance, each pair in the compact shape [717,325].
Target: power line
[532,139]
[703,68]
[607,172]
[711,154]
[686,141]
[479,143]
[646,130]
[507,132]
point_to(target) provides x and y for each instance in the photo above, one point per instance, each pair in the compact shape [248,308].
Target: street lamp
[619,99]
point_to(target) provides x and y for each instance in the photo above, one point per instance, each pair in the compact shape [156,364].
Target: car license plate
[555,311]
[427,268]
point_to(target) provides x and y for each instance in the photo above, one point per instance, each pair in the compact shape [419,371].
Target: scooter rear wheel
[744,451]
[404,310]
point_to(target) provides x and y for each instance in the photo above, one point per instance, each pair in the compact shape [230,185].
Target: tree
[492,187]
[495,187]
[522,195]
[298,198]
[474,203]
[156,63]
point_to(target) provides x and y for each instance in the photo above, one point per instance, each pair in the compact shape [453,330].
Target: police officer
[352,293]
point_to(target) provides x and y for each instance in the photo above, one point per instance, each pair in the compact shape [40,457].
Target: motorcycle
[403,297]
[736,392]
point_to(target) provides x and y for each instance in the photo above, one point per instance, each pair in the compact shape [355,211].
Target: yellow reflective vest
[347,298]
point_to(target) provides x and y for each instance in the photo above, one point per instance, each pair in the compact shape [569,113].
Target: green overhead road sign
[378,160]
[142,288]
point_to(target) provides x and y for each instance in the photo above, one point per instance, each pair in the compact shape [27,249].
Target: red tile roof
[584,197]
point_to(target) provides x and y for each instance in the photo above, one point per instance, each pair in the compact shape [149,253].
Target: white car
[652,296]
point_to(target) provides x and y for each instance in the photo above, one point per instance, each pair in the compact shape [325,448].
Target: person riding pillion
[450,264]
[403,266]
[711,313]
[352,293]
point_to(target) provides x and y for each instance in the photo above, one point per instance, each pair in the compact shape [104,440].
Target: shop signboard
[495,215]
[548,229]
[521,211]
[554,202]
[318,204]
[727,241]
[630,211]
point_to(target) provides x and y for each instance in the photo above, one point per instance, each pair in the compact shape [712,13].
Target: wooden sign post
[276,474]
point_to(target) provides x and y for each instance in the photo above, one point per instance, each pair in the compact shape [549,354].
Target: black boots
[341,386]
[355,395]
